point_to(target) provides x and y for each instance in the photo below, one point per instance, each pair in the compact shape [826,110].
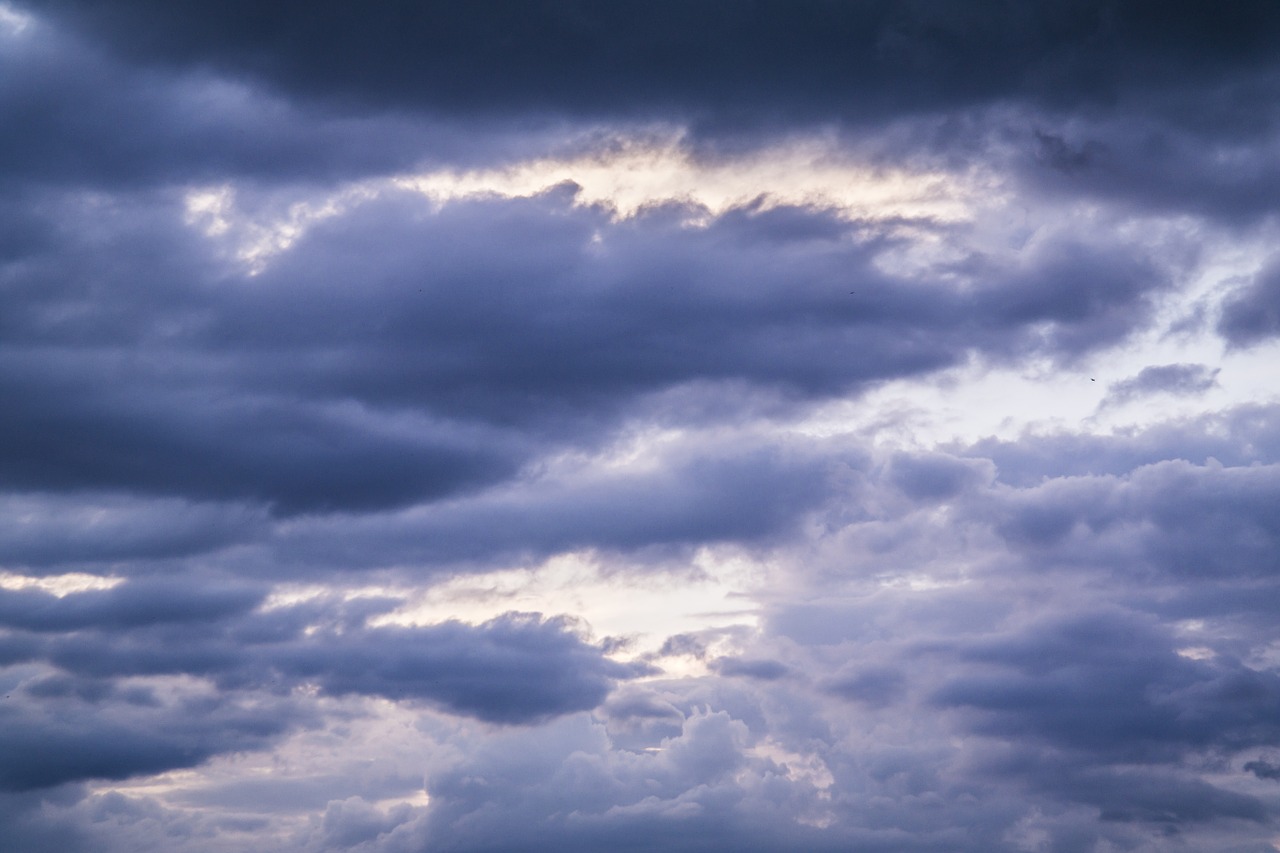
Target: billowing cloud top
[665,426]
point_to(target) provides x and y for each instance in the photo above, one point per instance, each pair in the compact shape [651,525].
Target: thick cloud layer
[390,355]
[676,426]
[795,59]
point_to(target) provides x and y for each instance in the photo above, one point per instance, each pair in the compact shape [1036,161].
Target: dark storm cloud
[557,322]
[1171,519]
[795,60]
[74,115]
[1111,686]
[42,531]
[1263,769]
[714,489]
[1142,104]
[391,356]
[28,828]
[1109,694]
[1251,315]
[1224,170]
[1139,104]
[284,453]
[514,669]
[133,604]
[52,741]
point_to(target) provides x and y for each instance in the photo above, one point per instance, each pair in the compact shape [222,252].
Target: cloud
[1263,769]
[51,531]
[1167,378]
[765,670]
[1139,110]
[933,477]
[514,669]
[1236,436]
[83,741]
[140,603]
[593,58]
[1108,686]
[1094,706]
[1252,313]
[1172,518]
[876,686]
[696,490]
[330,338]
[437,376]
[571,791]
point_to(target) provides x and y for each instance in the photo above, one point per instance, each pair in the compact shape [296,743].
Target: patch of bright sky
[627,174]
[624,175]
[59,585]
[14,22]
[807,768]
[646,606]
[631,174]
[253,241]
[977,400]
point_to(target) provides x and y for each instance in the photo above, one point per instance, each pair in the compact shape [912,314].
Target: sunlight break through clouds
[626,176]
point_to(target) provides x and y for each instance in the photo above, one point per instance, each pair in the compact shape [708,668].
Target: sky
[679,425]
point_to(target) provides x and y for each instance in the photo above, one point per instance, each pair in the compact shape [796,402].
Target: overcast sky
[678,425]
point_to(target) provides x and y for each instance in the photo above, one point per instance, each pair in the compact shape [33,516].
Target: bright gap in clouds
[628,175]
[983,399]
[59,585]
[625,175]
[14,22]
[713,591]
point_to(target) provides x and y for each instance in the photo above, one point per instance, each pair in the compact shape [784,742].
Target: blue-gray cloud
[1252,313]
[1061,641]
[1166,378]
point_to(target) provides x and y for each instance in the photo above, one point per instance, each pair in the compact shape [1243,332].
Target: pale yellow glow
[59,585]
[210,209]
[254,241]
[625,176]
[632,174]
